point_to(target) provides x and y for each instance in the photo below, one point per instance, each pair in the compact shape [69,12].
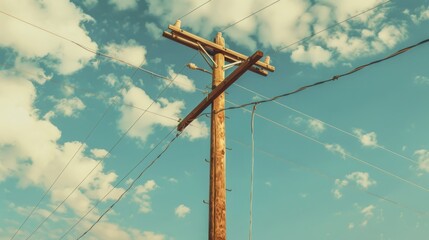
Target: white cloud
[154,30]
[138,97]
[351,226]
[69,106]
[181,81]
[337,193]
[99,152]
[62,56]
[31,71]
[181,211]
[365,35]
[110,79]
[196,130]
[339,184]
[30,151]
[89,3]
[316,125]
[68,89]
[391,35]
[316,55]
[130,52]
[421,80]
[362,179]
[368,211]
[367,139]
[423,159]
[122,5]
[112,231]
[336,148]
[420,14]
[141,196]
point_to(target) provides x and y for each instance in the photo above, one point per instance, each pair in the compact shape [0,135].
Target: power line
[84,47]
[334,78]
[252,171]
[319,173]
[332,26]
[132,184]
[111,148]
[248,16]
[386,172]
[193,10]
[61,172]
[327,124]
[117,184]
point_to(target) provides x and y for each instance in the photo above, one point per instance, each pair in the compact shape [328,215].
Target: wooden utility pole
[217,201]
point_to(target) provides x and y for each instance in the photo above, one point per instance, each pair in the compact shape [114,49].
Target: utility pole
[217,201]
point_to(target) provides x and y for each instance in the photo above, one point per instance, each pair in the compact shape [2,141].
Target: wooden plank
[238,72]
[227,52]
[211,51]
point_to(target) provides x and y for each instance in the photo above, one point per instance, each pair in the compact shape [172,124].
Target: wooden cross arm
[219,89]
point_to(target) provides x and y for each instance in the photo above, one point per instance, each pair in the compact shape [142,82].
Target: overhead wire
[331,26]
[61,172]
[334,78]
[322,174]
[118,183]
[132,184]
[195,9]
[85,47]
[252,169]
[111,148]
[348,155]
[248,16]
[97,53]
[327,124]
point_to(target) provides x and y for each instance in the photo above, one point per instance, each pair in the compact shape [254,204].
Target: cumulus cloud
[130,52]
[62,56]
[361,179]
[316,125]
[181,211]
[339,184]
[99,152]
[391,35]
[69,106]
[141,196]
[180,81]
[423,159]
[31,152]
[89,3]
[122,5]
[367,34]
[163,107]
[368,213]
[419,15]
[367,139]
[315,55]
[336,148]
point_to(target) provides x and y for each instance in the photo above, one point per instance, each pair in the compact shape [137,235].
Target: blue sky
[344,160]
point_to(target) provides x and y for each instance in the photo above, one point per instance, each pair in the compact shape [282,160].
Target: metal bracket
[228,66]
[206,55]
